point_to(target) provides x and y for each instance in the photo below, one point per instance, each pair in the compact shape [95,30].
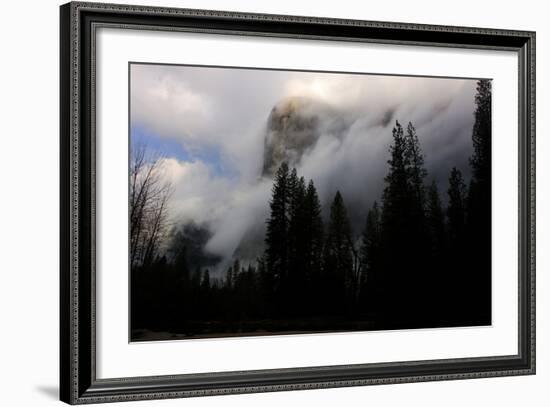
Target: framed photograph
[255,203]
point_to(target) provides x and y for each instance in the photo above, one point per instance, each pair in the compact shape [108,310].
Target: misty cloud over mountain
[293,128]
[236,126]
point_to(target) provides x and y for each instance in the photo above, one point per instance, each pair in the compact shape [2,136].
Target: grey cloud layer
[229,109]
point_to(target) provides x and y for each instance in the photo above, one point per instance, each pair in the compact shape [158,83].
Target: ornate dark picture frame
[78,381]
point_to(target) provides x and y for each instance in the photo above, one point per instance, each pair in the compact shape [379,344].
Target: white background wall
[29,163]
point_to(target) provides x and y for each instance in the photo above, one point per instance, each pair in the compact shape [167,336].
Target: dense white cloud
[166,105]
[228,207]
[228,109]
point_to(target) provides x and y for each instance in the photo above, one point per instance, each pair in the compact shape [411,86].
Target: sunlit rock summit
[293,127]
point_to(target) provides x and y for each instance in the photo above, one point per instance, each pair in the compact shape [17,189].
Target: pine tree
[313,229]
[418,226]
[414,160]
[481,134]
[313,250]
[297,191]
[294,285]
[276,254]
[338,257]
[396,193]
[404,229]
[478,220]
[396,199]
[370,257]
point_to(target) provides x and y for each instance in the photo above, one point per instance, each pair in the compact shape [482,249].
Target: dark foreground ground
[222,329]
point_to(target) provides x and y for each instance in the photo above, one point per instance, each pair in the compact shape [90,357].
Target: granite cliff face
[293,127]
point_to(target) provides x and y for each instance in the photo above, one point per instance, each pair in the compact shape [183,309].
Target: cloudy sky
[216,127]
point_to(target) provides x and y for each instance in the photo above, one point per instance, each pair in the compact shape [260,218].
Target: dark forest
[416,264]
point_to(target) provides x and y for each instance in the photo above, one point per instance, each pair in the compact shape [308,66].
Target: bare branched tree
[149,194]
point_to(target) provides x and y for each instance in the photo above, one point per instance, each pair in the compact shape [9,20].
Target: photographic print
[270,202]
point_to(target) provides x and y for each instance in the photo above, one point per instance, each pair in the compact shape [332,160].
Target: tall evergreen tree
[370,257]
[297,191]
[418,226]
[405,286]
[478,220]
[481,134]
[276,254]
[395,286]
[314,228]
[313,247]
[396,202]
[416,172]
[396,193]
[294,286]
[338,256]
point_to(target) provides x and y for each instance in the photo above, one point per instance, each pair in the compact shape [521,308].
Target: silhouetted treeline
[415,264]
